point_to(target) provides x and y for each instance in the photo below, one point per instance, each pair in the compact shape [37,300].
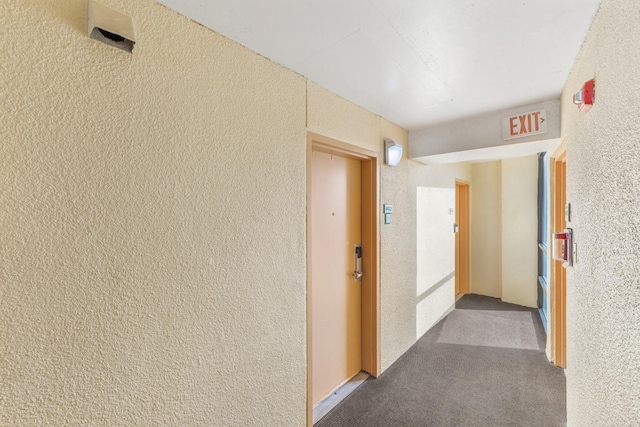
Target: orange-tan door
[560,274]
[462,238]
[335,294]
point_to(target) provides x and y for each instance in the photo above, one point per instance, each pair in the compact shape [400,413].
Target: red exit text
[526,124]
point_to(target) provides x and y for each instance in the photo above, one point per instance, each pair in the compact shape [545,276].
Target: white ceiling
[414,62]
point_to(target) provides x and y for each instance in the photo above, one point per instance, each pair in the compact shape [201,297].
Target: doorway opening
[343,322]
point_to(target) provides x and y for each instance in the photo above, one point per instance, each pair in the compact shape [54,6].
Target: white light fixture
[392,152]
[110,26]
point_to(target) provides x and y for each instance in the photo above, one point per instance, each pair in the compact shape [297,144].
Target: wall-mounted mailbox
[563,247]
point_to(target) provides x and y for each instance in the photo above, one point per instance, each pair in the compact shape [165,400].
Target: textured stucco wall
[405,307]
[331,115]
[520,231]
[152,218]
[397,258]
[153,264]
[603,172]
[486,230]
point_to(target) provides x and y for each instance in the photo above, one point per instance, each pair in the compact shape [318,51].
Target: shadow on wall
[435,278]
[435,287]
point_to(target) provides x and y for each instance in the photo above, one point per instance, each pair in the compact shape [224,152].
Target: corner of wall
[603,285]
[486,229]
[520,231]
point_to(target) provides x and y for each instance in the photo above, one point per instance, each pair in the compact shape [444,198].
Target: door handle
[357,263]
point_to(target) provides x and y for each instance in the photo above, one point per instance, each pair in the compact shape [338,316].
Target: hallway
[483,365]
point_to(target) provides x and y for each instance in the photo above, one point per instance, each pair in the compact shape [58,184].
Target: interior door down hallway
[462,239]
[335,292]
[334,185]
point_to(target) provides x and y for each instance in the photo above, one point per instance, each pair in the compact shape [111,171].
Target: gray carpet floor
[483,365]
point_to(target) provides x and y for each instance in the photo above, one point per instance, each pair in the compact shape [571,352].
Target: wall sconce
[110,26]
[392,152]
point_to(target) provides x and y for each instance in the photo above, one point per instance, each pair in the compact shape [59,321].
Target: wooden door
[462,238]
[560,274]
[335,294]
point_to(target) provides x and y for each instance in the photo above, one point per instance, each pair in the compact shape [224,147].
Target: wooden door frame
[371,258]
[559,326]
[462,240]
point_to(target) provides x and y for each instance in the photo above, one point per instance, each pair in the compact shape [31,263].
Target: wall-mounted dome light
[110,26]
[392,152]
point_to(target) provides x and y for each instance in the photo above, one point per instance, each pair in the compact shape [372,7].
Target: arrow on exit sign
[526,124]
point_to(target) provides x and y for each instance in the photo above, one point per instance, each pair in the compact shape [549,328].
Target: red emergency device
[586,96]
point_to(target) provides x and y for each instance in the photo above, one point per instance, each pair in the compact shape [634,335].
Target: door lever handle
[357,263]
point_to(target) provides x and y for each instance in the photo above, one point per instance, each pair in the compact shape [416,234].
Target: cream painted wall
[398,256]
[486,230]
[153,264]
[435,254]
[152,217]
[603,287]
[504,221]
[520,231]
[331,115]
[412,298]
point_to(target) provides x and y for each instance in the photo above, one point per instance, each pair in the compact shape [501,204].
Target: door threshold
[341,393]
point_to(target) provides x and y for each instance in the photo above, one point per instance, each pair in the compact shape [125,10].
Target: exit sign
[526,124]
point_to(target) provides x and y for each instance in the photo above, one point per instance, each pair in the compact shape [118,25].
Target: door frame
[370,284]
[559,327]
[462,238]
